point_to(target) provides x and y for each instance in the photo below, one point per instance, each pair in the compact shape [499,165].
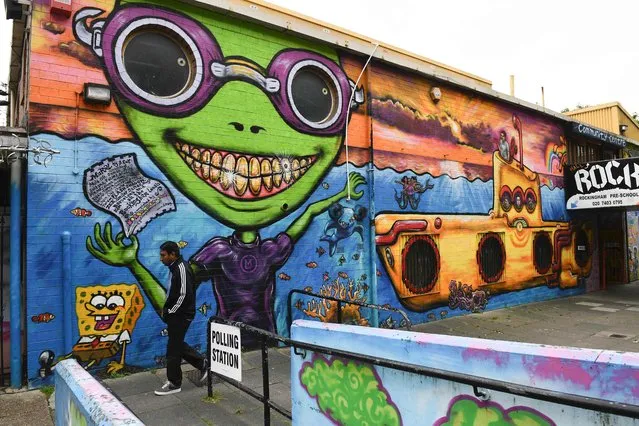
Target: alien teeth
[243,175]
[98,317]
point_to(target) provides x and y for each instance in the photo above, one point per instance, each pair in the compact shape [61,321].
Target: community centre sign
[611,183]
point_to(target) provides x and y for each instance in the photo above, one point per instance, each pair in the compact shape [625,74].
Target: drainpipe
[15,265]
[68,290]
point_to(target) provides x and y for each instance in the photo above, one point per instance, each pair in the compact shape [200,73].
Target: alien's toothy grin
[241,175]
[104,322]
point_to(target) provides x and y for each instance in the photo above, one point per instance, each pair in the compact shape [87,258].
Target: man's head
[169,252]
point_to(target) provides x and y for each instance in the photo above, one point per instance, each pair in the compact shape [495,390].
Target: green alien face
[260,126]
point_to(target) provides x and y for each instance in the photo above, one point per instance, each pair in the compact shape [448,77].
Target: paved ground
[228,406]
[599,320]
[24,408]
[602,320]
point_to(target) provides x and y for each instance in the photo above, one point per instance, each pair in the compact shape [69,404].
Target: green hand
[355,179]
[110,251]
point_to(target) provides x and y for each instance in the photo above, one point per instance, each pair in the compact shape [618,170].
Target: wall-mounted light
[96,94]
[623,128]
[435,94]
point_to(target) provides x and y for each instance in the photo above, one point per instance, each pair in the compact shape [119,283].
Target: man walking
[178,313]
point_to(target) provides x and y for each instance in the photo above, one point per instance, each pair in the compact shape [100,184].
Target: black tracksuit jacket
[180,299]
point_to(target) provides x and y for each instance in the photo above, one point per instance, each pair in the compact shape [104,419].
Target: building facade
[279,158]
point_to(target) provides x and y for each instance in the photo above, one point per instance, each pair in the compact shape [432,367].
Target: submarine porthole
[518,199]
[389,257]
[542,252]
[506,198]
[420,264]
[491,257]
[531,200]
[582,248]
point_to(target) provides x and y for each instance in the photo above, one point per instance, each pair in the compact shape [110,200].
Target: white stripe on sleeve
[182,289]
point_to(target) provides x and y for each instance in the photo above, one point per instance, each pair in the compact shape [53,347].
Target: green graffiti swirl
[349,394]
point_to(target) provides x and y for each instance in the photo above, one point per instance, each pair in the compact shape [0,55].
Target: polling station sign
[226,351]
[602,184]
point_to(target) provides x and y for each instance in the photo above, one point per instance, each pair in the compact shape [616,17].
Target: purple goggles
[283,81]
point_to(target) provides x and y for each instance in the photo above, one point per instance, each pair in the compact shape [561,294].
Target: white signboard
[226,351]
[600,184]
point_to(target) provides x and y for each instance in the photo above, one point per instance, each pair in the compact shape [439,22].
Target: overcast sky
[583,52]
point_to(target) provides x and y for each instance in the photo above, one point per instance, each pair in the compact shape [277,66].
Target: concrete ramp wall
[327,390]
[82,400]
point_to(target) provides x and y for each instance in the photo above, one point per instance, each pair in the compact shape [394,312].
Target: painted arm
[299,226]
[117,253]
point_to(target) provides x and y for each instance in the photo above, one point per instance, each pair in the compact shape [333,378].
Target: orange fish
[80,212]
[284,276]
[44,317]
[308,289]
[311,265]
[342,274]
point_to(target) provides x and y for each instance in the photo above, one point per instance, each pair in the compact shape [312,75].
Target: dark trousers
[177,349]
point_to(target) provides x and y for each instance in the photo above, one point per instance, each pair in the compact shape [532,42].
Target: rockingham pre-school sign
[226,351]
[611,183]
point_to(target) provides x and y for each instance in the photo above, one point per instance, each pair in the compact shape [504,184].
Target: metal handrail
[339,306]
[578,401]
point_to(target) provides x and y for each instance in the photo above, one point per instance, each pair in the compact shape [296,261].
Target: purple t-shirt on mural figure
[244,276]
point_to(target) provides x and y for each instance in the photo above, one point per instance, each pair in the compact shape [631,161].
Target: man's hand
[355,179]
[110,251]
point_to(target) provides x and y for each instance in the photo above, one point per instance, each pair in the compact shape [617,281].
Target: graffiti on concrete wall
[348,393]
[466,409]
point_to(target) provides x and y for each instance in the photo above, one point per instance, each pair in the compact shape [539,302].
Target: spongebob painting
[106,318]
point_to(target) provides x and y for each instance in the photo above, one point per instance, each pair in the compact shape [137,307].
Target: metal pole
[265,383]
[15,264]
[69,305]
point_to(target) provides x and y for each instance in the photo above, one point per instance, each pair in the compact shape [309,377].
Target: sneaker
[204,372]
[167,389]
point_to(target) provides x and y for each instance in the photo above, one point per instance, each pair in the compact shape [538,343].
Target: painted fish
[443,314]
[342,274]
[365,287]
[43,317]
[325,185]
[204,308]
[356,256]
[284,277]
[325,276]
[311,265]
[431,316]
[160,360]
[164,332]
[80,212]
[363,277]
[341,260]
[320,251]
[299,304]
[378,273]
[181,244]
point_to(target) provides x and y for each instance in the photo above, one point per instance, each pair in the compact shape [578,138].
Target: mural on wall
[494,180]
[348,393]
[633,243]
[231,147]
[468,410]
[235,145]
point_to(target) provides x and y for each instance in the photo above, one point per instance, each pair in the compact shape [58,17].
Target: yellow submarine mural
[427,259]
